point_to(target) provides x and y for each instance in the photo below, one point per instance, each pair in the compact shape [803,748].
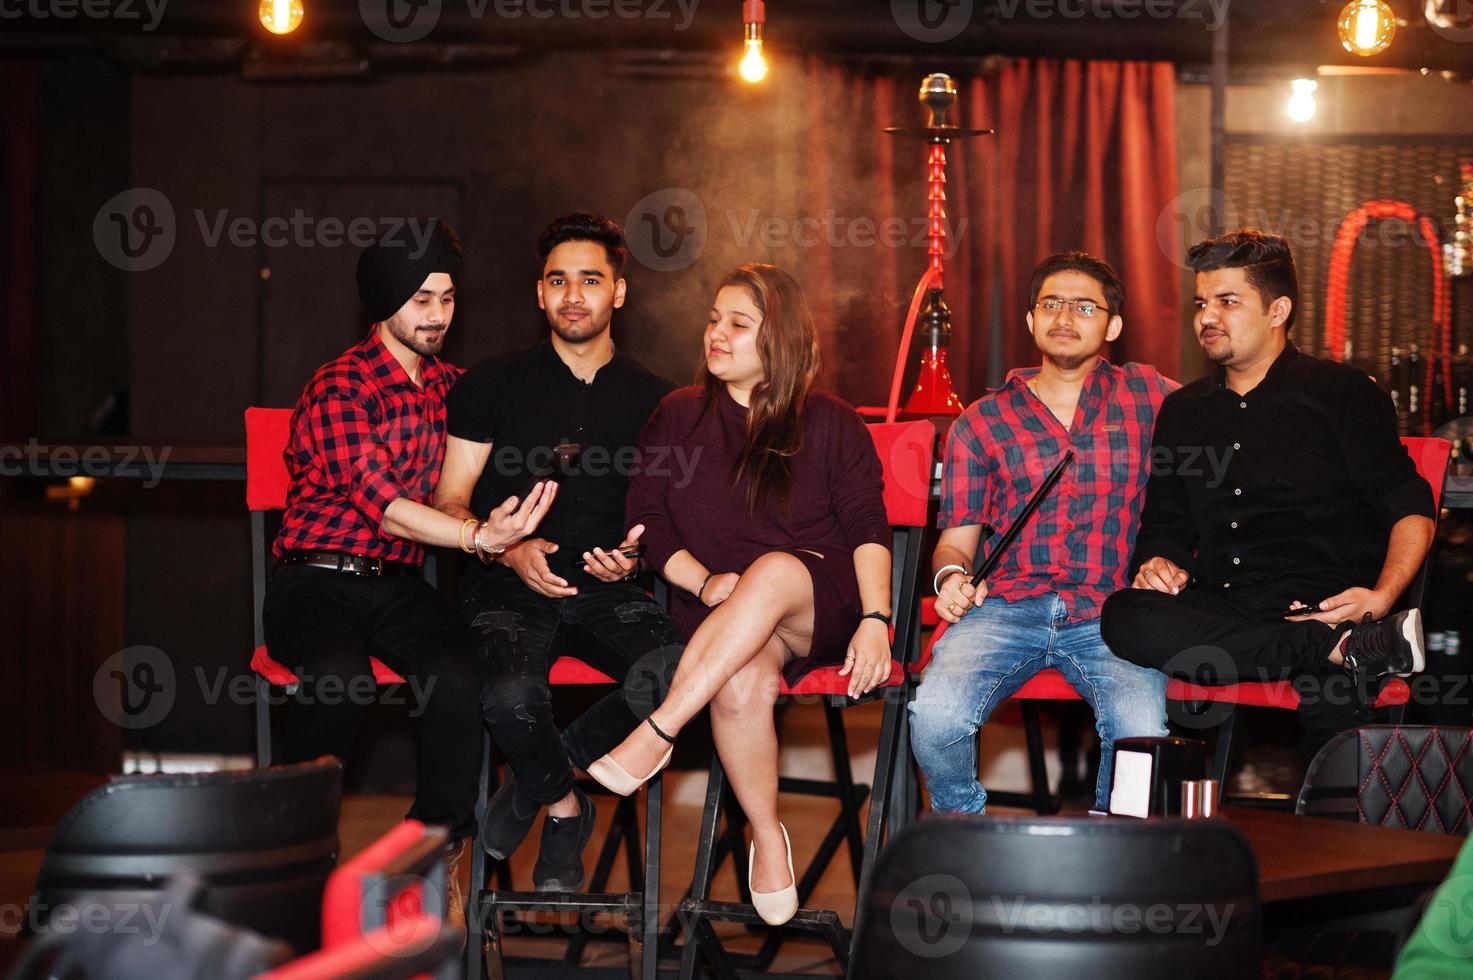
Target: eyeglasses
[1083,307]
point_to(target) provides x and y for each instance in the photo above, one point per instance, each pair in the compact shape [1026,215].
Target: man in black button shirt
[569,409]
[1283,517]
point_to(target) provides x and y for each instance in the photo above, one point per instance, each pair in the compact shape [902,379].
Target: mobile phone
[633,551]
[1306,607]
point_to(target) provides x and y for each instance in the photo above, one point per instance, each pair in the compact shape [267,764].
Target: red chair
[906,450]
[1431,457]
[267,482]
[396,880]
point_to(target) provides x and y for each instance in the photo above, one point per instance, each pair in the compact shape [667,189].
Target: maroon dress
[682,493]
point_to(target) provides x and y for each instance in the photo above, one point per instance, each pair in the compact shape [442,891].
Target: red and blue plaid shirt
[1079,541]
[362,436]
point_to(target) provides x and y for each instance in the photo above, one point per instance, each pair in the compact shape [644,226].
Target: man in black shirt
[1283,517]
[569,409]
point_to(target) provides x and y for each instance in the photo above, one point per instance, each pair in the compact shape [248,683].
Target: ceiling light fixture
[1367,26]
[754,66]
[280,16]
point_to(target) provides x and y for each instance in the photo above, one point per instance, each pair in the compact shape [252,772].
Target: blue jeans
[979,662]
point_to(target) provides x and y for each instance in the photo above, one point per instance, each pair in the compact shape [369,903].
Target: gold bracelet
[469,549]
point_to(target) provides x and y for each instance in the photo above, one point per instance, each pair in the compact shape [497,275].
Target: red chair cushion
[281,676]
[267,431]
[567,670]
[827,680]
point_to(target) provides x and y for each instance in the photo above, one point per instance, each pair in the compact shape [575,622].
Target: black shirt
[543,421]
[1290,489]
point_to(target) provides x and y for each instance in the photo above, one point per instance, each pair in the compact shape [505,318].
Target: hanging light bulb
[754,66]
[1367,27]
[1301,102]
[280,16]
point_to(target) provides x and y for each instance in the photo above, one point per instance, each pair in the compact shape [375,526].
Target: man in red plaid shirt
[367,439]
[1040,607]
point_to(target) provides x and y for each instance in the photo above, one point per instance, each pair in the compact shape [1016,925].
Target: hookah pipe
[933,393]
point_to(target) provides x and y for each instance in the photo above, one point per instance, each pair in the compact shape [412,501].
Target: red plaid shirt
[362,436]
[1078,543]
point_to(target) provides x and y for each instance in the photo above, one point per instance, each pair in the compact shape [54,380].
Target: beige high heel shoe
[777,907]
[614,778]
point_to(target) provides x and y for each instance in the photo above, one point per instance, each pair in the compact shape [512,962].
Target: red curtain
[1084,157]
[20,112]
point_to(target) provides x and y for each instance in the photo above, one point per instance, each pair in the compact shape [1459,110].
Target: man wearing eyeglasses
[1040,606]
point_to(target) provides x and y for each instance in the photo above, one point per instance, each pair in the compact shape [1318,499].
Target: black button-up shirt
[543,422]
[1290,490]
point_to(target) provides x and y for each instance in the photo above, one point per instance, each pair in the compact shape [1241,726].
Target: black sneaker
[509,815]
[1388,646]
[559,865]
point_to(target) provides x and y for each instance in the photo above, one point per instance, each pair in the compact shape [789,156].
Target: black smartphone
[633,551]
[1307,607]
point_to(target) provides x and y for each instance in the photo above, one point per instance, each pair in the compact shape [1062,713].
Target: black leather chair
[1417,777]
[1046,898]
[262,842]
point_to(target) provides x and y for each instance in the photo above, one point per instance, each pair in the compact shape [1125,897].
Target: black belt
[338,561]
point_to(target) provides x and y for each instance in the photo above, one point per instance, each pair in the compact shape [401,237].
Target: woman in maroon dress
[768,518]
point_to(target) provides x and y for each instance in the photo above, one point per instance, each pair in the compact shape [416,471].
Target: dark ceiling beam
[1266,32]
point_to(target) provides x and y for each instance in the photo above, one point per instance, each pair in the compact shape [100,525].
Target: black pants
[614,627]
[1224,638]
[325,625]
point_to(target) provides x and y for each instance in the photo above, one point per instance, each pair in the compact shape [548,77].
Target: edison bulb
[754,66]
[281,16]
[1367,26]
[1301,102]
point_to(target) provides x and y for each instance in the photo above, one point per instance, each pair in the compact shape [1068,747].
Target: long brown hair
[787,344]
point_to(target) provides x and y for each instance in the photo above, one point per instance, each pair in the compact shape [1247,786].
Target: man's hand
[1348,606]
[868,661]
[529,561]
[610,566]
[719,588]
[1163,575]
[957,596]
[514,520]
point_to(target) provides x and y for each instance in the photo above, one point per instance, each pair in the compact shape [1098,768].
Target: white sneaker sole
[1411,631]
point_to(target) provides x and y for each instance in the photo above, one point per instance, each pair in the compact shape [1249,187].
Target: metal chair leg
[263,722]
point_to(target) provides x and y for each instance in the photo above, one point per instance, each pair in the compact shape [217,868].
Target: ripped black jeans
[614,627]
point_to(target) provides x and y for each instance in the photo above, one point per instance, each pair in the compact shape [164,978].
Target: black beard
[1068,363]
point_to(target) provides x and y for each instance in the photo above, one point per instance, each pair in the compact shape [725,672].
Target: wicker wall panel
[1303,190]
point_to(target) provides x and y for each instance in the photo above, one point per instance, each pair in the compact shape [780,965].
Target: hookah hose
[893,405]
